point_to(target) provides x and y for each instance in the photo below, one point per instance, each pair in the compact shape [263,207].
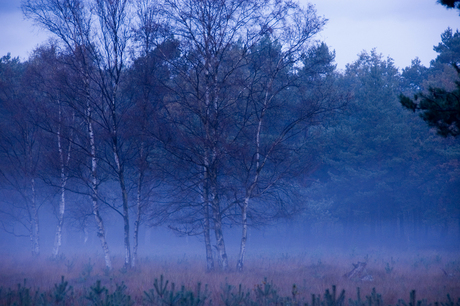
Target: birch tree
[218,43]
[111,55]
[144,87]
[21,152]
[207,31]
[291,89]
[57,119]
[70,21]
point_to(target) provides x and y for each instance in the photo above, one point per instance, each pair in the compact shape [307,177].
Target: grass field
[432,274]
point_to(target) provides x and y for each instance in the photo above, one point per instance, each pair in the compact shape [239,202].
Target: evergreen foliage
[264,294]
[438,106]
[450,3]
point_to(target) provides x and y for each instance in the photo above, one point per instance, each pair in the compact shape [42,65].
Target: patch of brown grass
[312,272]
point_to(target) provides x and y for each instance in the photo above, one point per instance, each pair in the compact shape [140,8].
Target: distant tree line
[383,167]
[200,115]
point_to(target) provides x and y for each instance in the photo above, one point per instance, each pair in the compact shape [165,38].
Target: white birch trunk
[138,220]
[223,258]
[58,235]
[207,181]
[244,235]
[34,233]
[124,193]
[63,164]
[244,209]
[125,221]
[220,243]
[120,172]
[85,232]
[259,166]
[97,216]
[207,238]
[206,224]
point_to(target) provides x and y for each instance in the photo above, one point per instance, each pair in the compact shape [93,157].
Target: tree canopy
[438,106]
[450,3]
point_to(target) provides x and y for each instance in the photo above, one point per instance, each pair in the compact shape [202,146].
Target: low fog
[317,224]
[294,237]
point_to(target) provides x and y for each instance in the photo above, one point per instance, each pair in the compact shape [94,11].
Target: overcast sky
[401,29]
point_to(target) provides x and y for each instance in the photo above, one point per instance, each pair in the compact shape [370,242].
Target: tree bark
[249,190]
[206,223]
[85,232]
[97,216]
[244,235]
[220,243]
[207,238]
[124,193]
[138,219]
[63,164]
[113,24]
[206,215]
[34,233]
[58,235]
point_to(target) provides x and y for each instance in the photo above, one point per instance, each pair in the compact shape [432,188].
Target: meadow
[270,278]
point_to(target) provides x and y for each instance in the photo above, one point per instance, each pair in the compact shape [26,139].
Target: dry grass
[312,272]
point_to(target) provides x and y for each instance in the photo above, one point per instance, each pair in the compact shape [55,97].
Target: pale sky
[400,29]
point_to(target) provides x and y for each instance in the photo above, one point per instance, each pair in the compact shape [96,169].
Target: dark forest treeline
[203,115]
